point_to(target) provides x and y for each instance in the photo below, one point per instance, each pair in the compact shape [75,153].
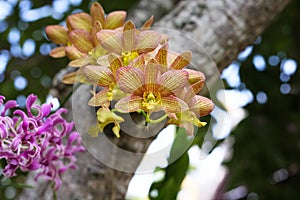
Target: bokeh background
[263,87]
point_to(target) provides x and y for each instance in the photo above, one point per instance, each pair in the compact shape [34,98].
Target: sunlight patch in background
[289,66]
[4,58]
[259,62]
[273,60]
[140,184]
[20,83]
[5,9]
[231,74]
[261,97]
[28,48]
[245,53]
[54,101]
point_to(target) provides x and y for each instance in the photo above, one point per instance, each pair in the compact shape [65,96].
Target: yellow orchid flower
[105,117]
[150,90]
[128,43]
[198,106]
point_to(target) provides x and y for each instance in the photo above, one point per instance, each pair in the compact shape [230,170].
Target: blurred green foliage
[266,151]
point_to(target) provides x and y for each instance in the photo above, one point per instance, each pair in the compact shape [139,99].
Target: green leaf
[169,187]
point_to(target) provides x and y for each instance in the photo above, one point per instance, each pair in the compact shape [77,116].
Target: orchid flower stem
[119,111]
[154,121]
[69,95]
[54,192]
[143,112]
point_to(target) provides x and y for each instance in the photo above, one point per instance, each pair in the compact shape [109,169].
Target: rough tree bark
[222,27]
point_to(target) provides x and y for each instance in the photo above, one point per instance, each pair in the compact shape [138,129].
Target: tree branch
[144,9]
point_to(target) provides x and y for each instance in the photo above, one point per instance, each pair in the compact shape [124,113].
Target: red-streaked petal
[195,77]
[98,52]
[129,104]
[114,62]
[172,81]
[74,77]
[97,12]
[103,60]
[138,62]
[82,40]
[148,24]
[73,53]
[57,34]
[98,75]
[181,60]
[152,72]
[129,38]
[96,28]
[80,62]
[111,40]
[82,21]
[172,104]
[99,99]
[188,94]
[202,106]
[131,80]
[162,54]
[197,87]
[147,41]
[115,19]
[58,52]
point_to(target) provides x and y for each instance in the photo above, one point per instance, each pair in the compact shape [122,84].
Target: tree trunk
[222,28]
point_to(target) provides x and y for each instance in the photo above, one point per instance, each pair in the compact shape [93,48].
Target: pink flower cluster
[37,140]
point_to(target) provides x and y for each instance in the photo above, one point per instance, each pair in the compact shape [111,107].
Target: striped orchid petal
[97,13]
[111,40]
[139,62]
[115,19]
[81,21]
[151,73]
[202,106]
[114,63]
[148,24]
[98,75]
[82,40]
[74,77]
[131,80]
[85,60]
[162,55]
[129,39]
[172,81]
[147,41]
[172,104]
[57,34]
[58,52]
[195,77]
[73,53]
[129,104]
[181,60]
[100,98]
[96,28]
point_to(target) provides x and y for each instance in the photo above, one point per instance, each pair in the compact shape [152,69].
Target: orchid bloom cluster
[37,140]
[134,68]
